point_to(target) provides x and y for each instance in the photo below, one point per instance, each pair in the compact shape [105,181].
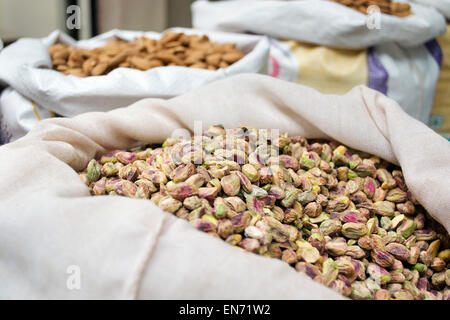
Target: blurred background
[30,18]
[408,59]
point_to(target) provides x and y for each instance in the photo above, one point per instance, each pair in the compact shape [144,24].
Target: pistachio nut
[354,230]
[360,291]
[336,247]
[330,227]
[94,170]
[398,250]
[231,185]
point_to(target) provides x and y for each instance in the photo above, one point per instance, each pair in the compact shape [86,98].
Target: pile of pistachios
[343,218]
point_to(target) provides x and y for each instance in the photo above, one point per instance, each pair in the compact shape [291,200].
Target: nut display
[386,6]
[343,218]
[173,49]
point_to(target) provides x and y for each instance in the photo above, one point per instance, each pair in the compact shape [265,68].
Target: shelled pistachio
[344,218]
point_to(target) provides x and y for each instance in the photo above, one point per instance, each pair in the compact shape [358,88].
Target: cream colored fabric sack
[129,248]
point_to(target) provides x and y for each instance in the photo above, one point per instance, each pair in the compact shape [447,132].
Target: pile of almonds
[343,218]
[173,49]
[386,6]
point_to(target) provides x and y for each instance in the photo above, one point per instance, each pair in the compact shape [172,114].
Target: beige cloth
[128,248]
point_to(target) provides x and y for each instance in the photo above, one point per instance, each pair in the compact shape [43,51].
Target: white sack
[443,6]
[25,66]
[412,77]
[317,21]
[18,115]
[129,248]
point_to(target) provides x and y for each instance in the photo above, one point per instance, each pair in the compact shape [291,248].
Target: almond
[173,49]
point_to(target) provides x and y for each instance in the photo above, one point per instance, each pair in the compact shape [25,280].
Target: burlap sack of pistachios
[52,229]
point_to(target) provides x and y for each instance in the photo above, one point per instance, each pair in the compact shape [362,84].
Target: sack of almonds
[281,193]
[333,23]
[115,69]
[333,46]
